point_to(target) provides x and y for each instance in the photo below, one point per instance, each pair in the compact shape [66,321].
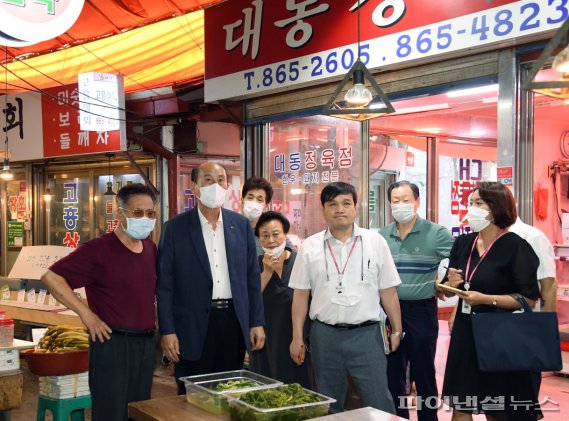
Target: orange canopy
[165,53]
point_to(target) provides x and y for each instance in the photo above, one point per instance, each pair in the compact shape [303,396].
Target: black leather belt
[221,304]
[347,326]
[417,303]
[147,333]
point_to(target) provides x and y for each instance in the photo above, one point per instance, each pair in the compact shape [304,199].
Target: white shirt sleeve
[300,276]
[388,275]
[546,255]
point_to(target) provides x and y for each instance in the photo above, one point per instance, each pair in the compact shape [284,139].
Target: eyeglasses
[139,213]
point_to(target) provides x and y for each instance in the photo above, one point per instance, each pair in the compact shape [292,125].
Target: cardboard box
[11,386]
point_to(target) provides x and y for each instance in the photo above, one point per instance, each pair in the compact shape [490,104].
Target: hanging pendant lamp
[109,191]
[360,101]
[6,173]
[558,50]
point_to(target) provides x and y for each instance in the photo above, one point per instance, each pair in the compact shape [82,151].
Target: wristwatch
[494,302]
[400,334]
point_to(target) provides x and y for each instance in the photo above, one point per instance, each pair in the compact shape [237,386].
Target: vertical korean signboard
[257,46]
[62,134]
[101,96]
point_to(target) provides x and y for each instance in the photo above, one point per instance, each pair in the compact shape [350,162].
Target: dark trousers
[120,371]
[224,348]
[418,348]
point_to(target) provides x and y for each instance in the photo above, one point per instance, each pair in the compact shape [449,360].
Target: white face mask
[212,196]
[477,218]
[277,251]
[252,210]
[403,212]
[139,228]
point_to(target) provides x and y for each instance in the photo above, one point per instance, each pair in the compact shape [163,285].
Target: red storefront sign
[505,175]
[62,135]
[256,46]
[409,159]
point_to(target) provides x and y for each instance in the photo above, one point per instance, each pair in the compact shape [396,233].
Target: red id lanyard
[341,273]
[468,279]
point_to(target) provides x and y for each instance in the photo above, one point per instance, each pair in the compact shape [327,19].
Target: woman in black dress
[490,264]
[276,266]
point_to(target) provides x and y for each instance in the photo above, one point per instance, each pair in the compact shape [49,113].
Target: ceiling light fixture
[473,91]
[6,173]
[558,88]
[109,191]
[423,108]
[561,61]
[359,102]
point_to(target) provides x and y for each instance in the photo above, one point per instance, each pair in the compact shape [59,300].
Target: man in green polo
[417,246]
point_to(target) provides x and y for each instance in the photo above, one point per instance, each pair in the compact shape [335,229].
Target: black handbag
[527,341]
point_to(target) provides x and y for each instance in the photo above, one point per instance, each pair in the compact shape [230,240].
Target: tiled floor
[554,388]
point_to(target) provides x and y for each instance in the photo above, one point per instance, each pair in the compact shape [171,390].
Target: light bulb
[561,61]
[358,95]
[6,174]
[47,195]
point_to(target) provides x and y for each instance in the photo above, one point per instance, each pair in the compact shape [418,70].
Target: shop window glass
[18,223]
[463,127]
[187,200]
[72,220]
[460,169]
[305,155]
[551,167]
[105,205]
[394,157]
[18,213]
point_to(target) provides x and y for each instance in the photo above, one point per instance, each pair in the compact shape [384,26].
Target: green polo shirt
[417,257]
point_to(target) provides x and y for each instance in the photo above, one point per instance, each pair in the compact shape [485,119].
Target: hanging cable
[6,174]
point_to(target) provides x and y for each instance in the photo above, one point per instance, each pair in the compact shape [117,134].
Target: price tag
[41,296]
[31,296]
[5,292]
[51,300]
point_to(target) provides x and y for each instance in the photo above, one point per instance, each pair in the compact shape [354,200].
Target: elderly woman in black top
[276,265]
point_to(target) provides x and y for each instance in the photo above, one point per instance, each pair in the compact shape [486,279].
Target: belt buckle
[220,304]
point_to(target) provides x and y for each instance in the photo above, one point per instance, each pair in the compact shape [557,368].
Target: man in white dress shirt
[546,272]
[347,270]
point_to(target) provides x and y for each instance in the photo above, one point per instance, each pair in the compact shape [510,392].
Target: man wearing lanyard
[347,270]
[417,246]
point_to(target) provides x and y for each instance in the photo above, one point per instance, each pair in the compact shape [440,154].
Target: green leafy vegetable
[235,384]
[279,397]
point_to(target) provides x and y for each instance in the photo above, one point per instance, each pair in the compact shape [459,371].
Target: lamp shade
[109,191]
[557,49]
[361,102]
